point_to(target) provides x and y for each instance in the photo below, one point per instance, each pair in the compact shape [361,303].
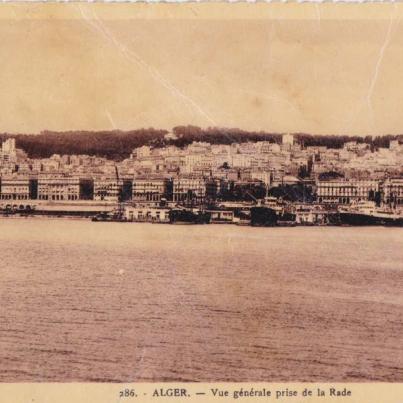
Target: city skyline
[283,184]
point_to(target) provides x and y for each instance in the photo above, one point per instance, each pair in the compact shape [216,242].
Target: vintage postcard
[194,196]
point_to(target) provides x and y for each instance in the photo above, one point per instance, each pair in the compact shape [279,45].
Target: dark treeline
[333,141]
[118,145]
[115,145]
[214,135]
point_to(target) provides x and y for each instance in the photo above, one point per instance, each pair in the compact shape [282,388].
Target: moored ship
[189,216]
[263,217]
[286,219]
[367,213]
[268,217]
[270,212]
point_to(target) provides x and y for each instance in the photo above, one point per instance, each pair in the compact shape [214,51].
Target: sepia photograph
[201,192]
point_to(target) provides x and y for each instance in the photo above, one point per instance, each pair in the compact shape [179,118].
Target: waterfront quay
[161,212]
[268,212]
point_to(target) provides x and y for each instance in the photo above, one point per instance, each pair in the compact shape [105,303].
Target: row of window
[146,187]
[14,197]
[147,196]
[348,192]
[58,197]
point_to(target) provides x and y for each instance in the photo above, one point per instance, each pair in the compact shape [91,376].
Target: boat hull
[186,217]
[360,219]
[263,217]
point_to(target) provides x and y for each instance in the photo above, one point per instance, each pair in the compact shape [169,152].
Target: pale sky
[77,67]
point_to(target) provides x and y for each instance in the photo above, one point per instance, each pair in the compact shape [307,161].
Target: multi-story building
[17,188]
[8,146]
[189,189]
[242,160]
[151,189]
[343,191]
[392,192]
[112,189]
[62,188]
[8,152]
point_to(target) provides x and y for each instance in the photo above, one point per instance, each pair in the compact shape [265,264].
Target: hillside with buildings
[118,145]
[206,173]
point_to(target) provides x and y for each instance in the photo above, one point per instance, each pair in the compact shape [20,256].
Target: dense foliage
[115,145]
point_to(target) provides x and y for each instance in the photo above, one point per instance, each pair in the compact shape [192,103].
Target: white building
[141,152]
[14,188]
[8,146]
[8,151]
[288,139]
[345,191]
[146,214]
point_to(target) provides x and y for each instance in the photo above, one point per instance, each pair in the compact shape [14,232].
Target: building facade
[190,189]
[16,188]
[147,214]
[64,188]
[343,191]
[112,189]
[150,189]
[392,192]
